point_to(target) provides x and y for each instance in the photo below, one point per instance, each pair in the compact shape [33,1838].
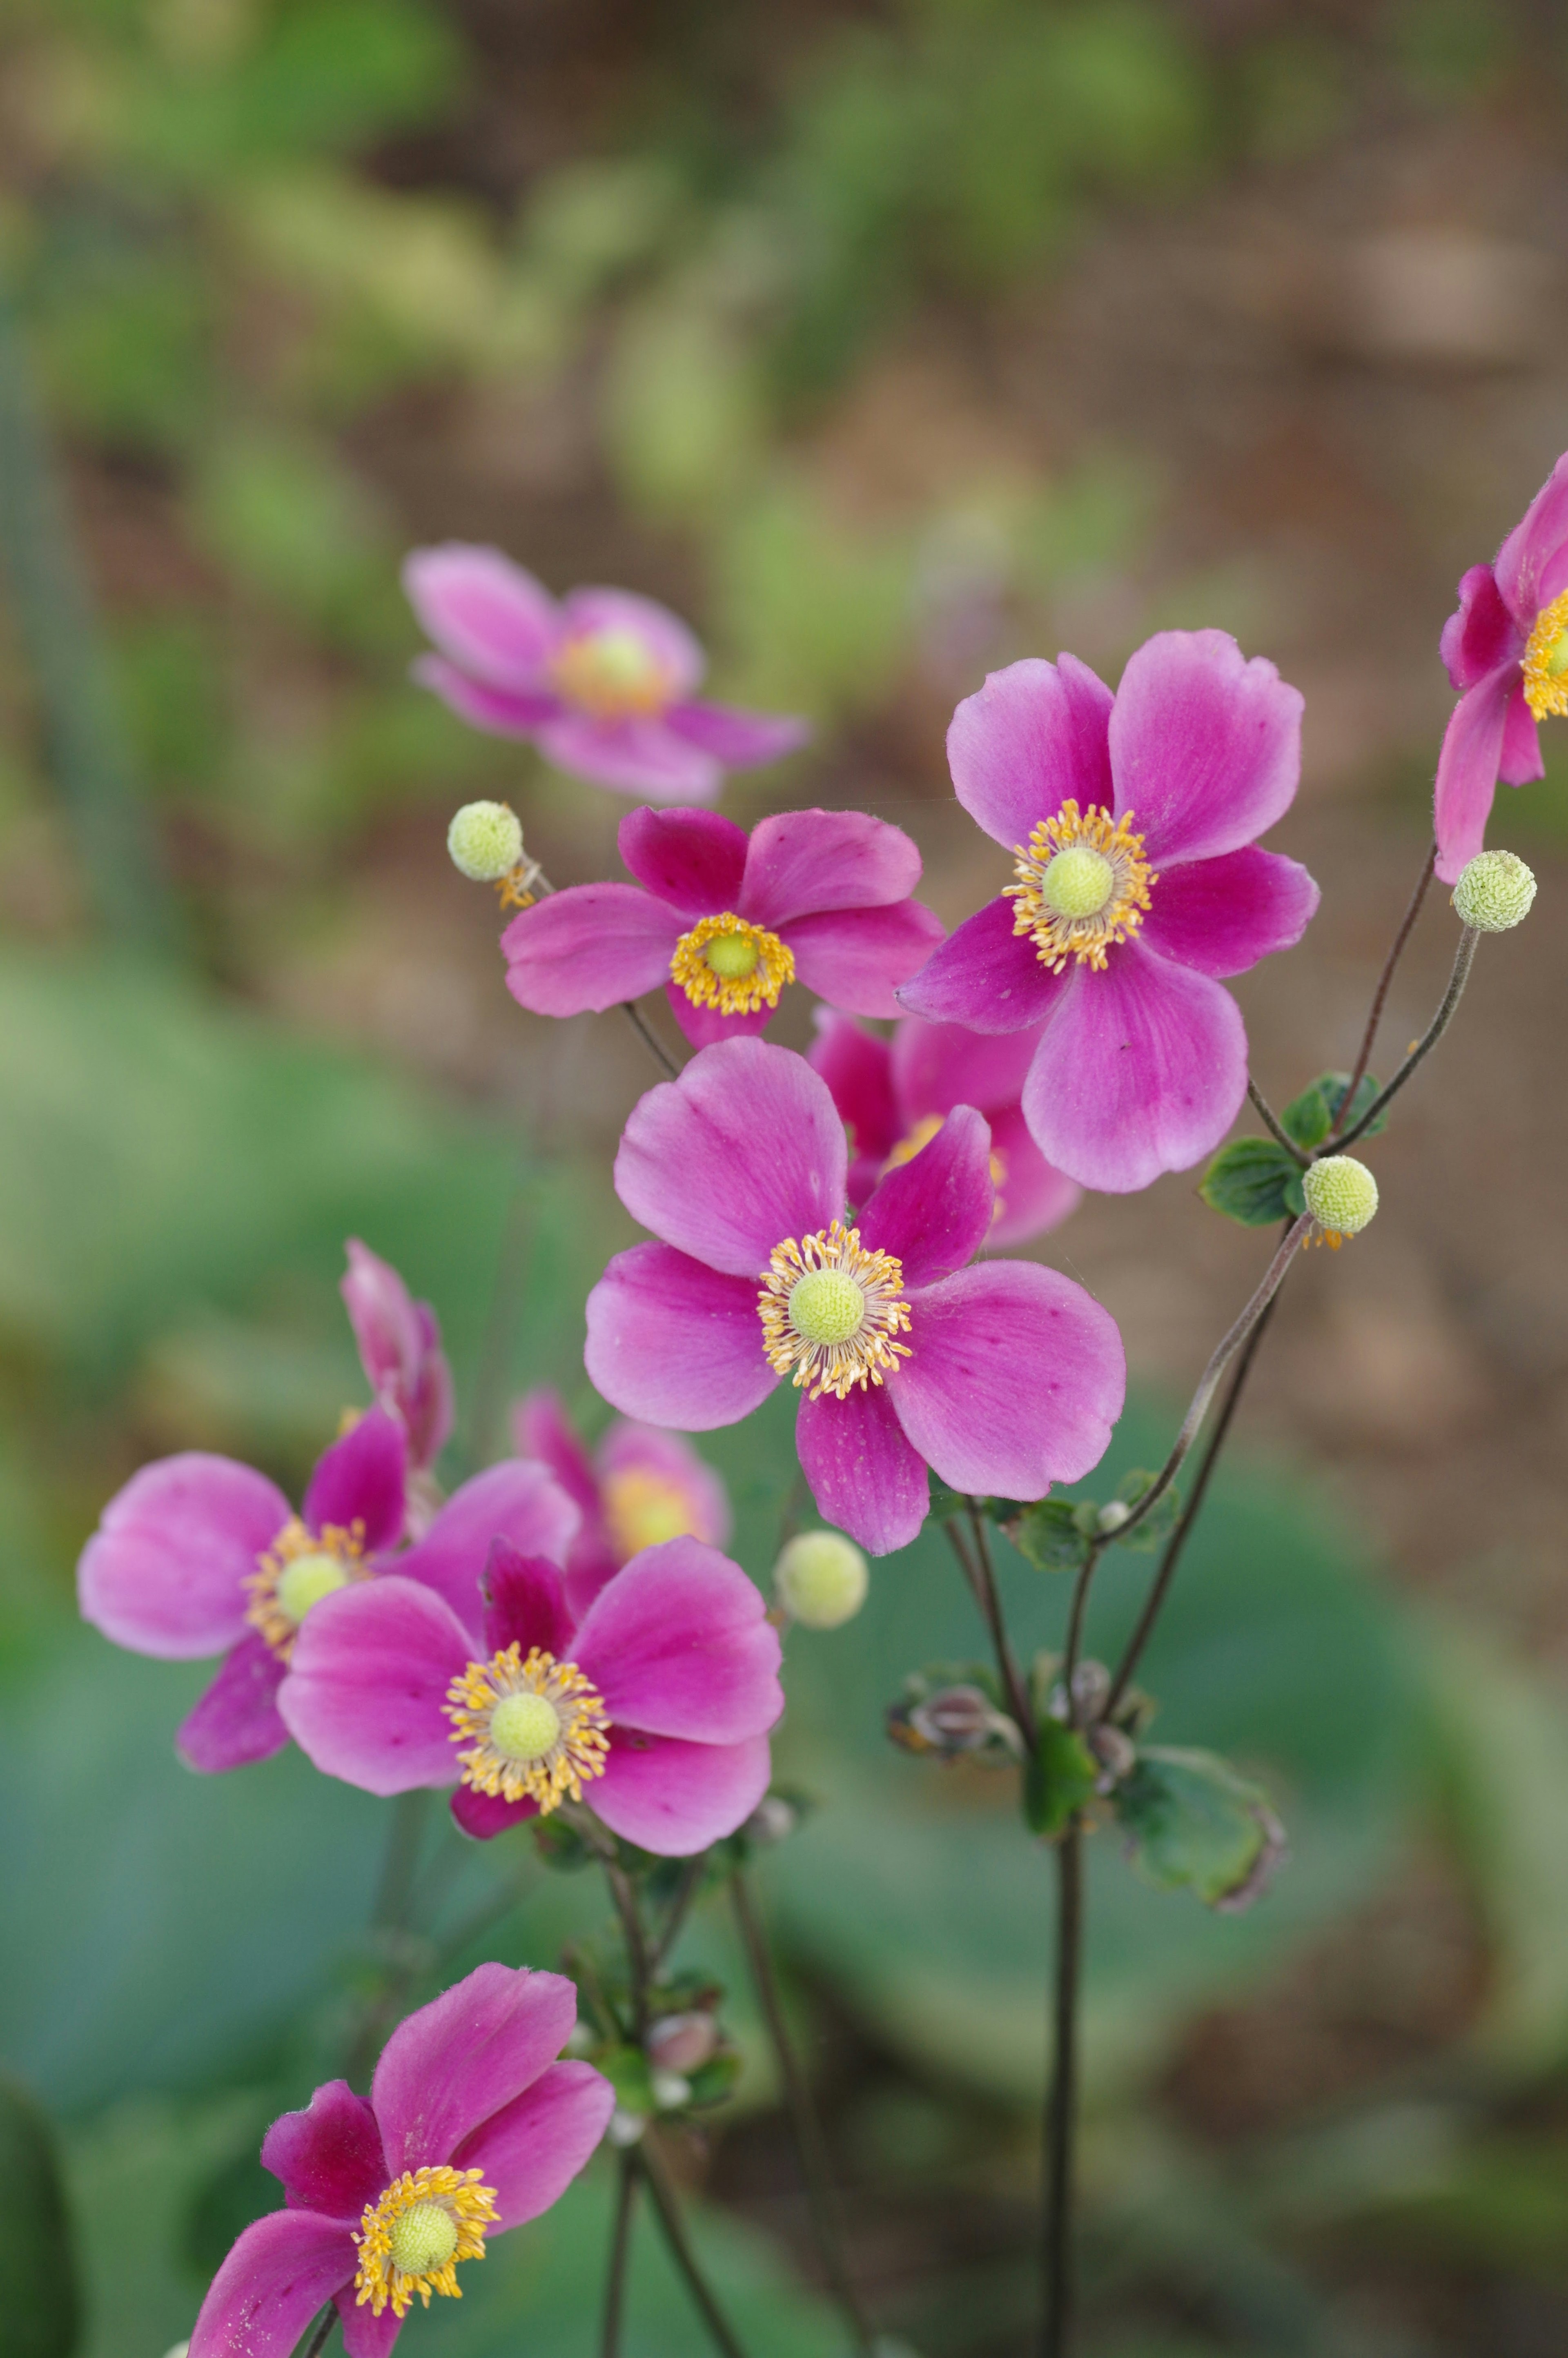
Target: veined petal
[675,1343]
[1467,770]
[865,1475]
[679,1644]
[985,976]
[525,1604]
[1222,915]
[236,1723]
[802,861]
[462,2059]
[362,1479]
[855,958]
[280,2272]
[589,948]
[1034,735]
[632,757]
[737,740]
[485,612]
[1206,747]
[517,1501]
[674,1798]
[533,2148]
[366,1683]
[1532,567]
[933,1212]
[165,1573]
[694,860]
[328,2157]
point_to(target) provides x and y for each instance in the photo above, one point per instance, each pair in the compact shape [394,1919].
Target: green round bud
[485,840]
[1341,1194]
[524,1726]
[826,1306]
[821,1579]
[1078,882]
[1493,891]
[422,2238]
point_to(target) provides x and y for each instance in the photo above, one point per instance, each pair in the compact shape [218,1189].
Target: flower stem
[1463,959]
[980,1572]
[651,1041]
[1379,997]
[1272,1123]
[324,2324]
[1061,2101]
[619,2255]
[652,2163]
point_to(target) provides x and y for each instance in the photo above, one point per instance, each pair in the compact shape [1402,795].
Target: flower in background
[637,1488]
[653,1708]
[604,682]
[895,1096]
[198,1554]
[724,921]
[400,1351]
[1004,1377]
[1506,648]
[1130,822]
[473,2128]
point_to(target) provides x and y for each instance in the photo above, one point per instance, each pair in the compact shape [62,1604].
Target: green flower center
[1557,657]
[524,1726]
[826,1305]
[733,957]
[1078,882]
[423,2238]
[304,1582]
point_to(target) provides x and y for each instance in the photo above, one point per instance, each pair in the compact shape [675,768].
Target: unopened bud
[1115,1752]
[821,1579]
[772,1821]
[955,1719]
[681,2043]
[625,2128]
[1113,1514]
[1493,891]
[671,2090]
[1341,1195]
[485,840]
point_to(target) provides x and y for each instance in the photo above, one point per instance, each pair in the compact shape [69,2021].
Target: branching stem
[1463,959]
[1379,997]
[1272,1123]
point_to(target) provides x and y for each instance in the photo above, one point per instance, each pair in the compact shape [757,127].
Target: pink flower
[604,684]
[895,1095]
[400,1351]
[638,1488]
[724,921]
[1114,938]
[654,1708]
[197,1554]
[473,2128]
[1506,652]
[1002,1379]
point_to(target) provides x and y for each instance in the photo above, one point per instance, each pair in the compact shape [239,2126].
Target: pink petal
[1467,770]
[489,616]
[500,711]
[678,1644]
[517,1501]
[165,1573]
[1222,915]
[676,1799]
[692,859]
[938,1065]
[704,1026]
[740,741]
[400,1350]
[1480,633]
[1032,1195]
[933,1212]
[280,2272]
[531,2149]
[1532,564]
[586,612]
[588,947]
[674,1343]
[482,1816]
[1142,1069]
[1206,747]
[463,2058]
[236,1721]
[744,1150]
[802,861]
[855,958]
[1015,1381]
[366,2335]
[328,2157]
[985,976]
[643,1449]
[858,1068]
[367,1682]
[864,1475]
[632,757]
[362,1480]
[525,1604]
[542,1430]
[1521,762]
[1032,735]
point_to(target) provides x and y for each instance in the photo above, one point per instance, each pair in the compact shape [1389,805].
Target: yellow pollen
[535,1729]
[1545,661]
[298,1569]
[729,965]
[611,675]
[1082,886]
[641,1509]
[411,2240]
[831,1311]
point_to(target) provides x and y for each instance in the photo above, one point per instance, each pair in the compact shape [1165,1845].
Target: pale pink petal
[855,958]
[236,1721]
[500,711]
[704,1026]
[938,1065]
[280,2272]
[675,1343]
[1206,747]
[1222,915]
[165,1573]
[802,861]
[517,1501]
[359,1484]
[328,2157]
[1531,566]
[740,741]
[591,946]
[1480,633]
[933,1212]
[642,1449]
[1034,736]
[865,1476]
[1032,1195]
[543,1431]
[692,859]
[367,1682]
[858,1068]
[676,1799]
[678,1644]
[586,613]
[632,757]
[1467,771]
[984,977]
[463,2058]
[533,2148]
[485,612]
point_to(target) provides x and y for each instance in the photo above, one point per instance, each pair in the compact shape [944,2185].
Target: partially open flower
[1341,1195]
[638,1486]
[1495,893]
[400,1351]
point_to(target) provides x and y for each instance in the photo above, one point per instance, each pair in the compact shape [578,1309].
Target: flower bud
[821,1579]
[681,2043]
[1493,891]
[1341,1195]
[671,2090]
[485,840]
[625,2127]
[772,1821]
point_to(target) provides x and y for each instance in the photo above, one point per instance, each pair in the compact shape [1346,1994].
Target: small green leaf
[1047,1535]
[946,1505]
[1195,1824]
[1311,1117]
[37,2271]
[626,2069]
[1061,1778]
[1253,1181]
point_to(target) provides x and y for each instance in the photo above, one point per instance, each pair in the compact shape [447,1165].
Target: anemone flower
[636,1488]
[473,2128]
[1113,940]
[895,1095]
[653,1708]
[400,1350]
[1002,1378]
[725,921]
[199,1554]
[604,682]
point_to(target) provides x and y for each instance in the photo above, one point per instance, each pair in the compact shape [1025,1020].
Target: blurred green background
[889,342]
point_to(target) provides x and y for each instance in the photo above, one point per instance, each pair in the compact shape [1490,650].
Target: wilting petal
[1532,567]
[1015,1381]
[694,860]
[1222,915]
[482,1816]
[531,2149]
[1467,771]
[367,1682]
[933,1212]
[525,1604]
[502,712]
[1032,735]
[485,612]
[679,1644]
[517,1501]
[586,612]
[165,1572]
[676,1799]
[1521,762]
[675,1343]
[802,861]
[362,1479]
[1480,633]
[985,976]
[633,757]
[328,2157]
[1032,1195]
[1206,747]
[280,2272]
[589,948]
[463,2058]
[236,1721]
[704,1026]
[864,1475]
[858,1070]
[936,1066]
[739,741]
[855,959]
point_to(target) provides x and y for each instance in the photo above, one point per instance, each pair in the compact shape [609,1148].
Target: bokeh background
[888,342]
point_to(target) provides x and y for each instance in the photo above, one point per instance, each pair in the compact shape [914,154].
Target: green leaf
[1061,1778]
[37,2269]
[1196,1825]
[1253,1181]
[1049,1535]
[1311,1117]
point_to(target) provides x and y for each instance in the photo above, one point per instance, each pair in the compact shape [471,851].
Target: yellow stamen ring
[535,1729]
[411,2240]
[611,675]
[729,965]
[643,1508]
[298,1569]
[1082,886]
[1545,661]
[830,1311]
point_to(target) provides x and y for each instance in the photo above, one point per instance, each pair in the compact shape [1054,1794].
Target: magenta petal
[633,757]
[938,1065]
[704,1026]
[674,1798]
[692,859]
[744,1150]
[1467,770]
[855,958]
[638,1449]
[933,1212]
[460,2060]
[525,1604]
[1222,915]
[738,739]
[367,1682]
[485,612]
[1480,633]
[400,1350]
[677,653]
[589,948]
[328,2157]
[165,1572]
[359,1483]
[280,2272]
[858,1070]
[864,1475]
[1521,762]
[542,1430]
[1205,746]
[985,976]
[236,1721]
[1032,735]
[1032,1195]
[502,712]
[800,863]
[678,1644]
[366,2335]
[674,1343]
[531,2149]
[1015,1381]
[1531,566]
[1142,1069]
[517,1501]
[482,1816]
